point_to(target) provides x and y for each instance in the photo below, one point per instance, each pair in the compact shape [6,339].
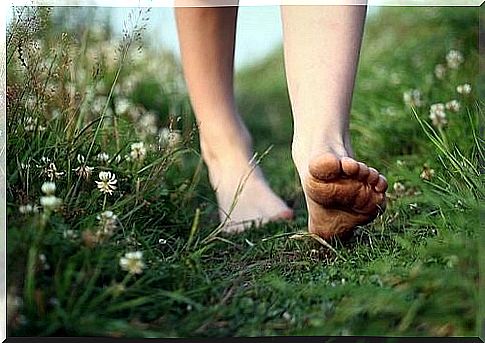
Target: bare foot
[255,203]
[341,193]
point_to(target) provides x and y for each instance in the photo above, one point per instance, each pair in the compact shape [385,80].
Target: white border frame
[6,6]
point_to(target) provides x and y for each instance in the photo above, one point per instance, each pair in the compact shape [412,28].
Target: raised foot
[342,193]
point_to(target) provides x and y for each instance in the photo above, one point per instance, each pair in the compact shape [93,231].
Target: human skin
[321,47]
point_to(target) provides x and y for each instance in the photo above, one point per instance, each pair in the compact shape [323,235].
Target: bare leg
[321,45]
[207,47]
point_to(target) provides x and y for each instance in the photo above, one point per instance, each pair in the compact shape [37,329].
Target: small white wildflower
[50,202]
[48,188]
[121,105]
[70,234]
[412,98]
[169,137]
[399,188]
[286,316]
[454,58]
[148,124]
[464,89]
[99,104]
[453,105]
[102,157]
[107,183]
[50,169]
[83,171]
[43,262]
[30,124]
[437,115]
[413,206]
[162,241]
[25,209]
[108,222]
[440,71]
[427,173]
[138,151]
[132,262]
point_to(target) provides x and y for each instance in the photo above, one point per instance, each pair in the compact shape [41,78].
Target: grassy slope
[413,272]
[395,261]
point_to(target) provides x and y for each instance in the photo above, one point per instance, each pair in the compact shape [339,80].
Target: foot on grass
[256,204]
[341,193]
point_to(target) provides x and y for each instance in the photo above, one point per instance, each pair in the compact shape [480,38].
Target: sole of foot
[342,193]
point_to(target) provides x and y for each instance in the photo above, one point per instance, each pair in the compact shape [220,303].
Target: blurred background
[258,32]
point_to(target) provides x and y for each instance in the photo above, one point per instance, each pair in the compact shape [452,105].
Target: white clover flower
[50,169]
[454,58]
[43,262]
[138,151]
[25,209]
[132,262]
[107,183]
[412,98]
[99,104]
[437,115]
[121,105]
[70,234]
[48,188]
[108,222]
[399,188]
[45,160]
[440,71]
[148,123]
[83,171]
[50,202]
[453,105]
[464,89]
[102,157]
[31,124]
[170,138]
[427,173]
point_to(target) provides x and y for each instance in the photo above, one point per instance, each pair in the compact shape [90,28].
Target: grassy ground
[414,271]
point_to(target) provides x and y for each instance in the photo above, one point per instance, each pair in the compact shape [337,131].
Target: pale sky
[258,31]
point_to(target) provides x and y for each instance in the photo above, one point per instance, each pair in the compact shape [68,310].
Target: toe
[285,215]
[350,167]
[373,177]
[325,167]
[363,172]
[381,185]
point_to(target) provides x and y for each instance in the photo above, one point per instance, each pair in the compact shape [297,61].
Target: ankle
[221,146]
[304,149]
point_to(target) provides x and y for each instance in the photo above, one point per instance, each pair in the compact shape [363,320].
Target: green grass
[414,271]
